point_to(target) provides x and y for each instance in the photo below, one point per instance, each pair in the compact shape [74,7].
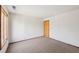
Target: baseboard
[25,39]
[49,37]
[66,43]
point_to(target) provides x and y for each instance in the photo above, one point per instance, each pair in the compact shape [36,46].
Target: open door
[46,28]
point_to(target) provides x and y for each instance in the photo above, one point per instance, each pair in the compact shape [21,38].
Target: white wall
[65,27]
[25,27]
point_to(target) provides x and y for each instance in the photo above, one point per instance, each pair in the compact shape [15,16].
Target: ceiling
[42,11]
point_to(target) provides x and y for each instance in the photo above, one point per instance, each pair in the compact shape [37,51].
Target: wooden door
[46,28]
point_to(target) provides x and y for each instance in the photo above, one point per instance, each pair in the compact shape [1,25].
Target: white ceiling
[42,11]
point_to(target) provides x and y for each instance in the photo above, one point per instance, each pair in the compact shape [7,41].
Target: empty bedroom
[39,28]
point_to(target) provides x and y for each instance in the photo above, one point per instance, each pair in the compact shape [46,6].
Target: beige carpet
[41,45]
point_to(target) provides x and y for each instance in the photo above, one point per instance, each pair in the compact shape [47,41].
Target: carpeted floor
[41,45]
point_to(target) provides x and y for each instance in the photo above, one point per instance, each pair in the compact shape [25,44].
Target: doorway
[46,28]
